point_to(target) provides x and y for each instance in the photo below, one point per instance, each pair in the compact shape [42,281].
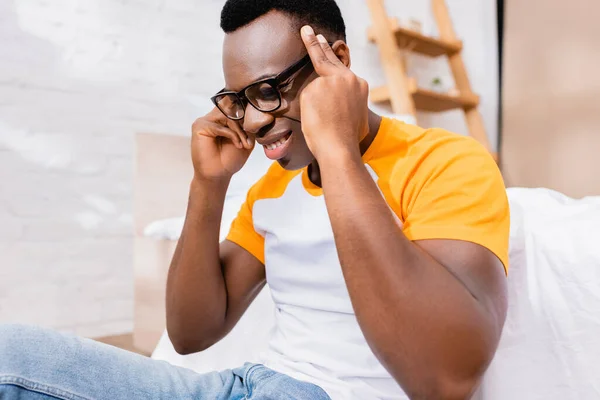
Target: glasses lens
[264,97]
[230,105]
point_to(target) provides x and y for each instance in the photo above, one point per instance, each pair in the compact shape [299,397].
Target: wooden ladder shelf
[401,91]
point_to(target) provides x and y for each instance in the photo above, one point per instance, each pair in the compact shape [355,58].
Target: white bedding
[551,341]
[550,346]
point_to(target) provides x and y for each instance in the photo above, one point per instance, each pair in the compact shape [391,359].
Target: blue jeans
[37,364]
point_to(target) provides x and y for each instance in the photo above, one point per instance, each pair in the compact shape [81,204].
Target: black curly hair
[323,15]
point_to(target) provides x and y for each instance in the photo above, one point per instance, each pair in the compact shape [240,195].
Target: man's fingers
[216,130]
[231,135]
[328,51]
[215,124]
[222,120]
[318,57]
[244,138]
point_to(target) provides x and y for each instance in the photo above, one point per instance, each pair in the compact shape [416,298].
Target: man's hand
[220,148]
[334,107]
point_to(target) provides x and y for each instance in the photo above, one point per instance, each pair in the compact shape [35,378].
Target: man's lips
[278,149]
[272,138]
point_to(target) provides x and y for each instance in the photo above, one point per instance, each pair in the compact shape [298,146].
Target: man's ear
[342,51]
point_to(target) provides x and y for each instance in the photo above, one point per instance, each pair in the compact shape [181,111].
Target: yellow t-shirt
[439,185]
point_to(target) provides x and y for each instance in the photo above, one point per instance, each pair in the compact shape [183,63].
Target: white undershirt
[317,337]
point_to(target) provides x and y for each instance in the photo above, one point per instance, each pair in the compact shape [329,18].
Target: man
[384,245]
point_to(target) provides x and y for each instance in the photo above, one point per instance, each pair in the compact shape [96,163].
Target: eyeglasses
[264,95]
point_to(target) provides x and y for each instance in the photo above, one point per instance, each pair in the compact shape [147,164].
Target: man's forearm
[196,293]
[421,322]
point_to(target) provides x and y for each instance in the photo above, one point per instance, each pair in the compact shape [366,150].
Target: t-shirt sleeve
[242,230]
[461,197]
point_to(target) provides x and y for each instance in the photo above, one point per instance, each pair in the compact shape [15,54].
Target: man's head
[262,40]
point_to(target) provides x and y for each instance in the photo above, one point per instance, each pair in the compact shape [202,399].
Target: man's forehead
[266,46]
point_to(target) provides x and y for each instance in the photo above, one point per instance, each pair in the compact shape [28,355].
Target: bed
[550,344]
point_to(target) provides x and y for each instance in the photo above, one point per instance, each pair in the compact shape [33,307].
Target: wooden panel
[414,41]
[163,172]
[151,259]
[124,342]
[551,107]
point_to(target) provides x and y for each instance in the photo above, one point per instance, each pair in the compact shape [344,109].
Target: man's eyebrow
[265,76]
[258,79]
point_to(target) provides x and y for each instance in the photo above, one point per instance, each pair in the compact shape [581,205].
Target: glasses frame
[275,82]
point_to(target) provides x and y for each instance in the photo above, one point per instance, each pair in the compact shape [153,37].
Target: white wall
[77,79]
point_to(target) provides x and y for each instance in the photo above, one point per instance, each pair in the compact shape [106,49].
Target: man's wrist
[206,200]
[205,186]
[210,183]
[340,157]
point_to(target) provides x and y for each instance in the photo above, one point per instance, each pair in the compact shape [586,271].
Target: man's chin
[286,164]
[290,164]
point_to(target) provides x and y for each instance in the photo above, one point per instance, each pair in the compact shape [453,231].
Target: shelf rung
[379,94]
[410,40]
[428,100]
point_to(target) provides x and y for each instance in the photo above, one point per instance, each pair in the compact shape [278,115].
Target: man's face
[263,49]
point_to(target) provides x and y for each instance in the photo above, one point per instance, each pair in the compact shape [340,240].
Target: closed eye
[268,93]
[286,86]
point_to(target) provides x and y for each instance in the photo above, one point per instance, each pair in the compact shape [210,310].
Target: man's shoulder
[438,148]
[413,146]
[410,158]
[444,160]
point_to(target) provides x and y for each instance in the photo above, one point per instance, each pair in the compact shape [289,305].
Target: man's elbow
[186,345]
[446,389]
[456,390]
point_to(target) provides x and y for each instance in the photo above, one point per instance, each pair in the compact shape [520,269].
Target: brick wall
[77,80]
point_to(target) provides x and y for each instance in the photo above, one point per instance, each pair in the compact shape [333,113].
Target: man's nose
[256,123]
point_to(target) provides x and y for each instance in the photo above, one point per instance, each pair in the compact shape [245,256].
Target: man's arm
[432,311]
[210,285]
